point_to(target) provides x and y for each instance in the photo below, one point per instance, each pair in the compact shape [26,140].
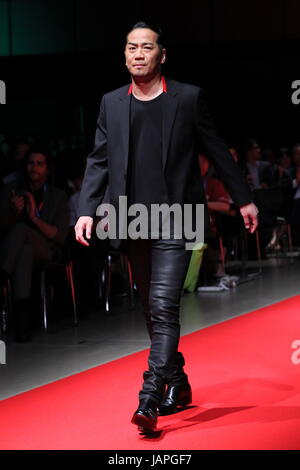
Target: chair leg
[132,304]
[4,312]
[9,296]
[244,251]
[222,255]
[44,299]
[108,284]
[290,242]
[70,276]
[102,281]
[258,250]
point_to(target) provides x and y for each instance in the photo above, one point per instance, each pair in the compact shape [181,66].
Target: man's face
[255,152]
[37,168]
[143,54]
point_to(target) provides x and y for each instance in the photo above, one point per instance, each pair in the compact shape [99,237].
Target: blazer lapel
[123,111]
[170,103]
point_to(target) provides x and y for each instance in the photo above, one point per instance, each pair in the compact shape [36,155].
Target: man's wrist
[247,204]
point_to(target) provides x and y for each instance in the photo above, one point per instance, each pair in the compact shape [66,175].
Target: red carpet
[246,395]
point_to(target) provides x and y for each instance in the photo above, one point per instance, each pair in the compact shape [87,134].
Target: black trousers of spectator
[159,270]
[21,249]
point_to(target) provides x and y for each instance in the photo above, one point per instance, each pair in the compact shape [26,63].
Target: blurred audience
[285,161]
[295,158]
[34,221]
[35,212]
[224,219]
[257,172]
[294,217]
[14,168]
[90,260]
[271,185]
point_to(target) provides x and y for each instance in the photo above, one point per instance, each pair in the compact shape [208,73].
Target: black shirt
[146,183]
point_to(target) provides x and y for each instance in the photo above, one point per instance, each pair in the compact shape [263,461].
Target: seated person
[219,203]
[271,186]
[257,172]
[294,218]
[285,161]
[295,159]
[34,219]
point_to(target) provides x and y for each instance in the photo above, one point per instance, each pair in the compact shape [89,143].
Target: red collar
[163,83]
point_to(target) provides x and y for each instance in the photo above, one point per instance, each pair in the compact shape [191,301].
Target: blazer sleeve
[95,179]
[217,151]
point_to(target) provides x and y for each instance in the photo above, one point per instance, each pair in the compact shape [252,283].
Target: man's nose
[139,53]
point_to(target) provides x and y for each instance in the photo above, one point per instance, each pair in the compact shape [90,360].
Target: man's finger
[88,230]
[83,229]
[253,223]
[81,239]
[79,236]
[247,222]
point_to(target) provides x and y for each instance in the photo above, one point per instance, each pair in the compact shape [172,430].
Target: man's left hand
[249,212]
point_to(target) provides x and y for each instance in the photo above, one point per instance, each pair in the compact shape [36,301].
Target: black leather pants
[159,270]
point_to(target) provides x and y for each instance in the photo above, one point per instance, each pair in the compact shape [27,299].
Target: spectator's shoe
[178,395]
[145,417]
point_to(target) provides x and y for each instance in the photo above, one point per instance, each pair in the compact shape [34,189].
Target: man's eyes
[132,48]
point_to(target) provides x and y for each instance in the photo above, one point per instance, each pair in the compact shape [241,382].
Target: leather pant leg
[161,287]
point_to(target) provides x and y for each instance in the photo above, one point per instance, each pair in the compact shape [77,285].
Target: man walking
[146,148]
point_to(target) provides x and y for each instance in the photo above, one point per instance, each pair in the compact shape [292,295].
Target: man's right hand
[17,204]
[83,226]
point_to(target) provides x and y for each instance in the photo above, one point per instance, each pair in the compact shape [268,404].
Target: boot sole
[144,424]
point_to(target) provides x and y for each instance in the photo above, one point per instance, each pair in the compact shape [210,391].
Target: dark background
[58,57]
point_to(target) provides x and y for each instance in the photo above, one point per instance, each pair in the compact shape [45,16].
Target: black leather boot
[177,395]
[145,417]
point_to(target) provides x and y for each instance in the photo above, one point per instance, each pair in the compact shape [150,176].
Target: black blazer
[186,127]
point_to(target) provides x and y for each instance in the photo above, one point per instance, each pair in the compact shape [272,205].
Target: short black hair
[155,28]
